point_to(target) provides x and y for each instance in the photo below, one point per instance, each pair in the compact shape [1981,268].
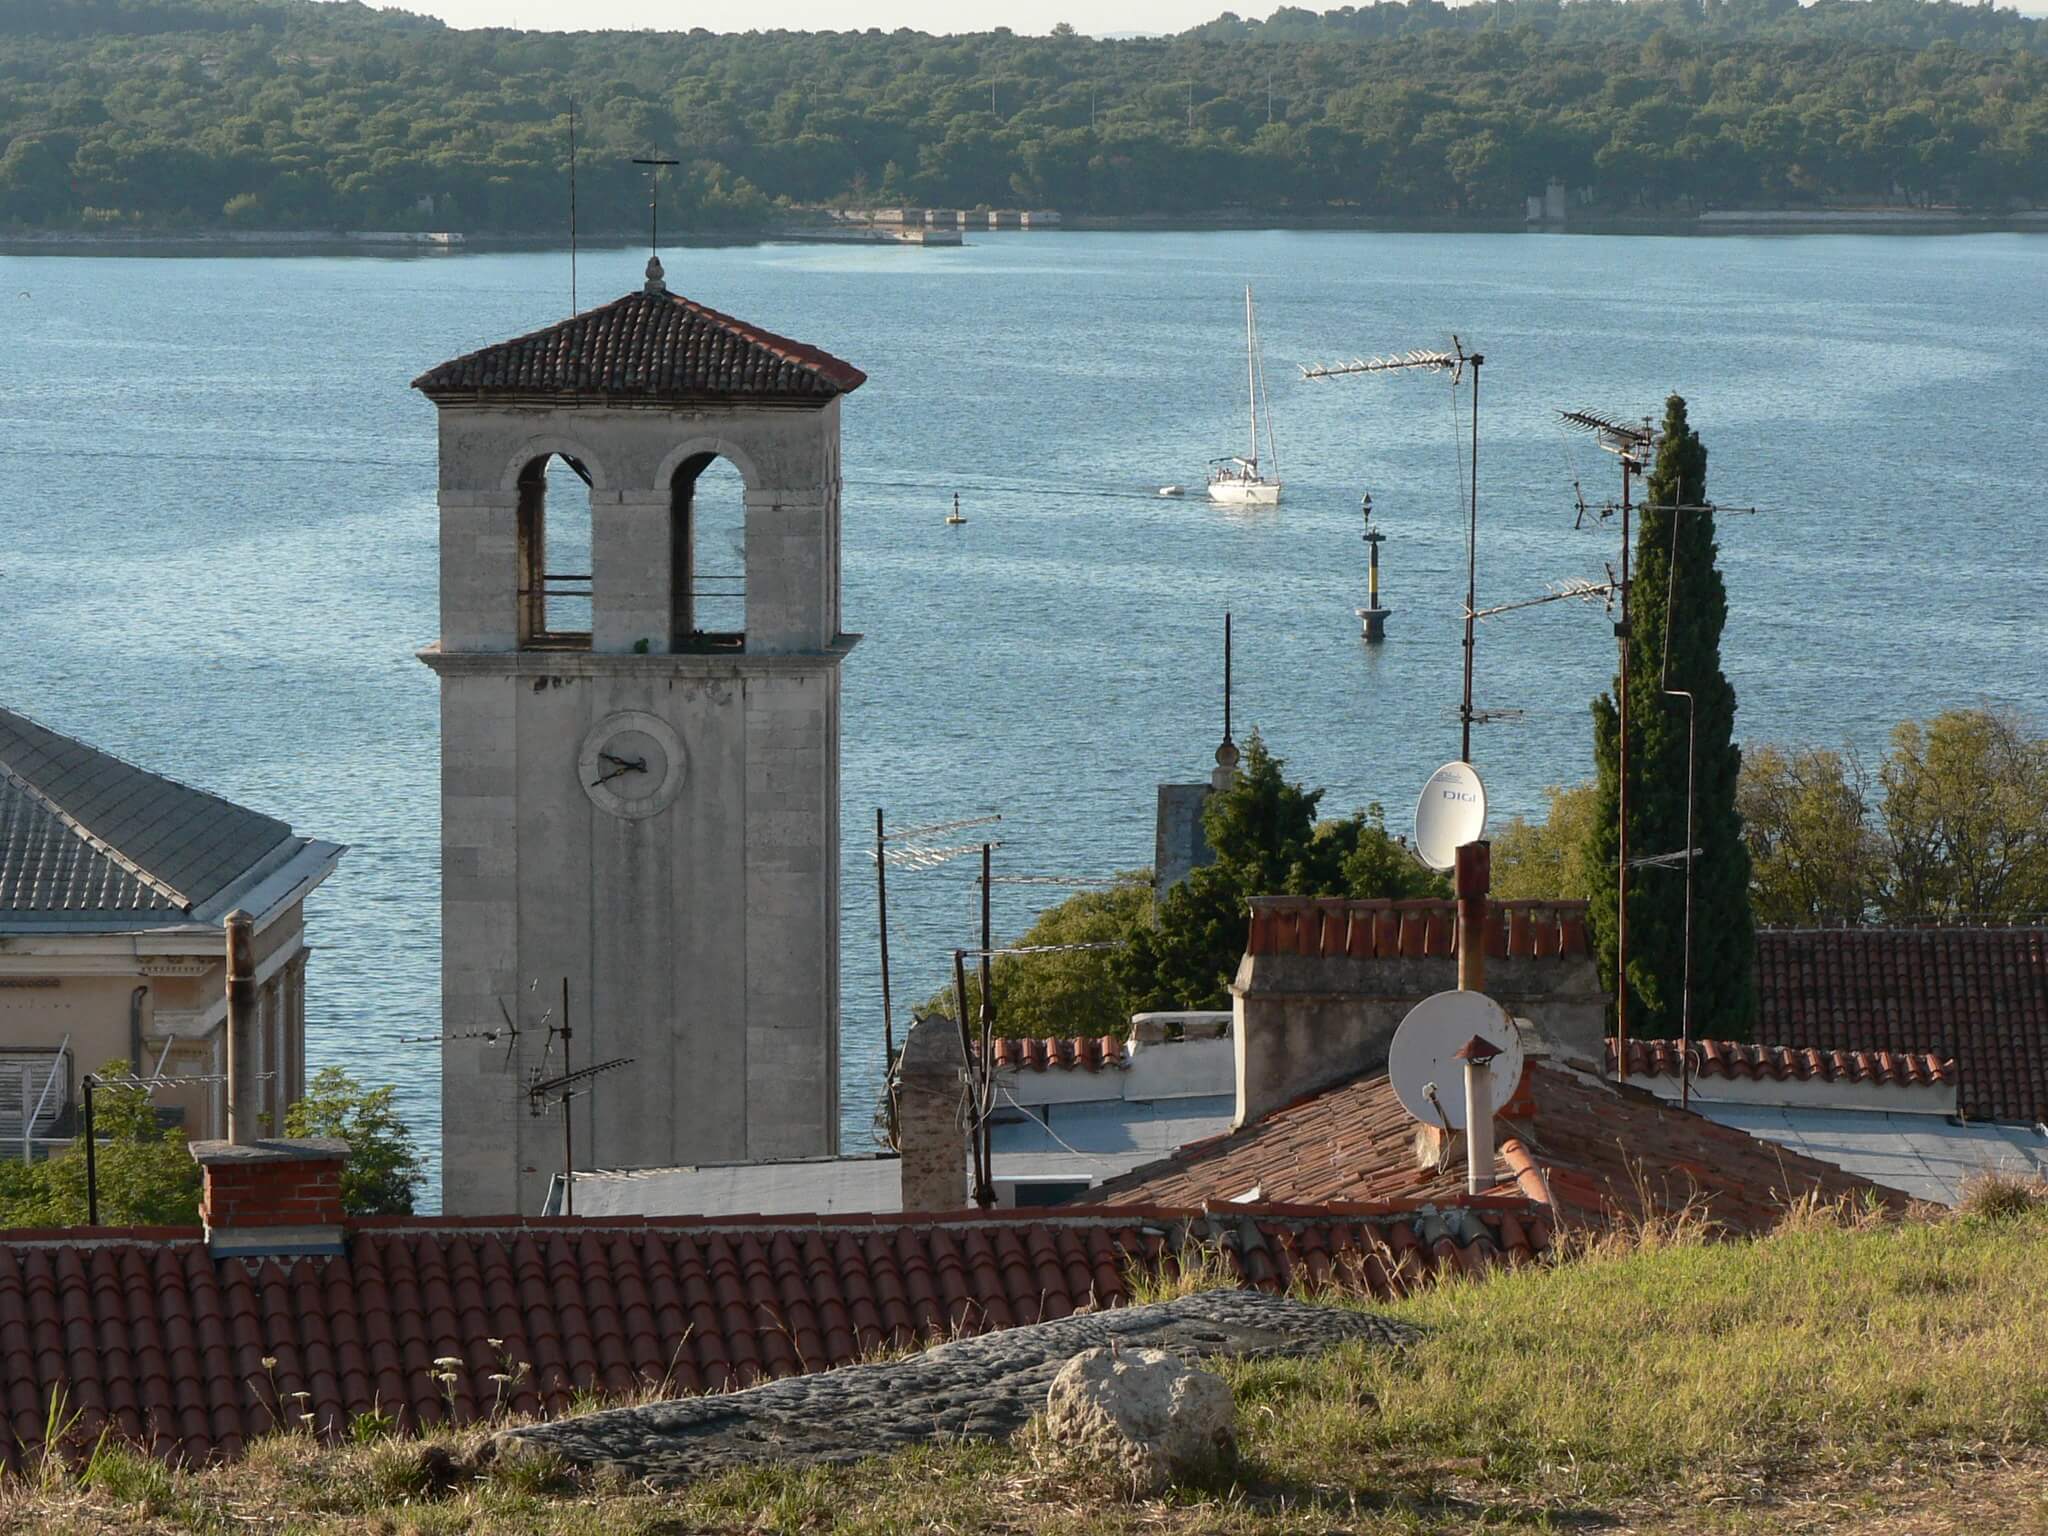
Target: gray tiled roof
[82,831]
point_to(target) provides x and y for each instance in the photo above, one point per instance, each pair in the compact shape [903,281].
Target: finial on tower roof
[656,282]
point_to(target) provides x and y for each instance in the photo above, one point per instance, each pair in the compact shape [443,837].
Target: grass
[1842,1375]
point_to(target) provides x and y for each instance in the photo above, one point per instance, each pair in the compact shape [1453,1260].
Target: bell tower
[639,745]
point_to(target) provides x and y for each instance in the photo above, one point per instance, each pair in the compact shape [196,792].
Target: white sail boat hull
[1245,493]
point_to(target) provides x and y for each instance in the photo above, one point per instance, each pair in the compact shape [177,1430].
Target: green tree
[1547,860]
[1965,818]
[1071,993]
[1815,854]
[1267,841]
[146,1175]
[1723,950]
[384,1171]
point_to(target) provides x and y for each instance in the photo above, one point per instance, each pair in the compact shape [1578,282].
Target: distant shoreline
[1884,221]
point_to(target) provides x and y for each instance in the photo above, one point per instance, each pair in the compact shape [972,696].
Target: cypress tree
[1723,932]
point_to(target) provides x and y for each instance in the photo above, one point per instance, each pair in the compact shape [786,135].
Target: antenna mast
[654,166]
[1630,444]
[572,205]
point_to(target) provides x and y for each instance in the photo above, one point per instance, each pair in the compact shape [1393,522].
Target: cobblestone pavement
[987,1387]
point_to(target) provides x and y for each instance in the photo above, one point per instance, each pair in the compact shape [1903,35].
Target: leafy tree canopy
[146,1176]
[383,1174]
[291,114]
[1182,950]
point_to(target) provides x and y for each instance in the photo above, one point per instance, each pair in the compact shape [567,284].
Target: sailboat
[1247,480]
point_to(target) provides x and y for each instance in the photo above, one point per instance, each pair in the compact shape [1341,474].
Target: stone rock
[983,1387]
[1145,1413]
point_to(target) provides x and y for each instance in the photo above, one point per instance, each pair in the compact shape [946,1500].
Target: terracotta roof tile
[1089,1053]
[148,1337]
[1417,929]
[648,346]
[1974,996]
[1591,1150]
[1739,1061]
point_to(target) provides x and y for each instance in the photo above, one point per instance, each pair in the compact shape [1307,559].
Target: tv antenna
[562,1090]
[654,165]
[913,848]
[509,1034]
[1454,362]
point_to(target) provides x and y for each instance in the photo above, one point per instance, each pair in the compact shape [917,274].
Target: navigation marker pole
[1453,362]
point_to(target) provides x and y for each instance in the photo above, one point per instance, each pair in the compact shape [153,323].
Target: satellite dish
[1450,812]
[1424,1053]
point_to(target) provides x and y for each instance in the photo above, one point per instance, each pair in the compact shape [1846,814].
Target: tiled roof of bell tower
[651,345]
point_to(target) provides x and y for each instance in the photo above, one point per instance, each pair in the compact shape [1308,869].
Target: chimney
[931,1129]
[1473,878]
[274,1198]
[263,1196]
[1477,1054]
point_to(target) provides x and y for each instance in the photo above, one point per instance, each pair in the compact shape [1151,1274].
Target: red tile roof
[1089,1052]
[1592,1150]
[1365,930]
[1737,1060]
[1978,996]
[148,1336]
[647,346]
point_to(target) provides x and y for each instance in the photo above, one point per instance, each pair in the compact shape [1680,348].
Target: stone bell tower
[648,807]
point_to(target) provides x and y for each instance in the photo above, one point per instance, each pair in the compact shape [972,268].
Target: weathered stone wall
[701,940]
[931,1130]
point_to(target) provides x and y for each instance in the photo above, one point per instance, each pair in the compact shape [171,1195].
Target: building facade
[639,803]
[114,883]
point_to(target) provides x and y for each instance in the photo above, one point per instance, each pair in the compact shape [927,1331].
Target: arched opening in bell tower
[708,554]
[554,554]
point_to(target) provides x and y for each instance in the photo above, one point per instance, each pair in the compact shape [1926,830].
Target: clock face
[631,764]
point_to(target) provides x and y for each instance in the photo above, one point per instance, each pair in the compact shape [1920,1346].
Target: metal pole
[1621,778]
[882,902]
[988,1025]
[1471,569]
[568,1157]
[92,1161]
[245,1084]
[568,1145]
[973,1075]
[1692,725]
[572,205]
[1226,674]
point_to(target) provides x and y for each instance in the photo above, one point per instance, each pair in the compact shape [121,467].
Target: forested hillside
[295,114]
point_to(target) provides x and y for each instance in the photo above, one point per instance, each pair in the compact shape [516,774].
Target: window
[554,554]
[708,543]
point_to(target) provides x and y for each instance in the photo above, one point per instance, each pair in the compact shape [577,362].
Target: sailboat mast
[1251,374]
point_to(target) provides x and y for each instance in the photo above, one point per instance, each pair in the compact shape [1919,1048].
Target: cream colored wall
[43,998]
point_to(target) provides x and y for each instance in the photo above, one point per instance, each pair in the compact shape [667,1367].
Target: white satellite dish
[1449,813]
[1424,1054]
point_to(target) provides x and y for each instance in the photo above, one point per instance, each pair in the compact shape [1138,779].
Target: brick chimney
[263,1196]
[273,1197]
[931,1132]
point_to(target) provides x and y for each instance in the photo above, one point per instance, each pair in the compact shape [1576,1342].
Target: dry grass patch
[1843,1375]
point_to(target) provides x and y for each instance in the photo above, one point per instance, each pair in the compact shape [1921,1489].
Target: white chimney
[1477,1054]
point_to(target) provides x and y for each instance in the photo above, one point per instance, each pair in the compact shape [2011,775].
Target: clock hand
[615,772]
[625,764]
